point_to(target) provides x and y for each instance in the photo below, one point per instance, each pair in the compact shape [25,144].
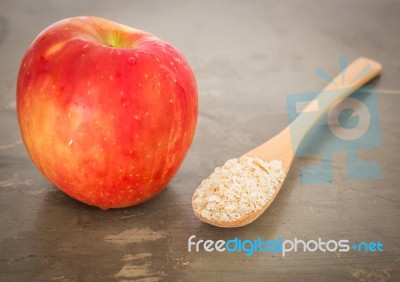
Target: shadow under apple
[74,241]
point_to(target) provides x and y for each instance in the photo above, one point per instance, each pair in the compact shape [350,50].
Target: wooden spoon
[282,147]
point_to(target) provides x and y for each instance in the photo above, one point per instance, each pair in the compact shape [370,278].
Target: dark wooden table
[248,56]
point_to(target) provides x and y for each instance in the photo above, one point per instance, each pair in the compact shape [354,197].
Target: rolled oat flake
[238,188]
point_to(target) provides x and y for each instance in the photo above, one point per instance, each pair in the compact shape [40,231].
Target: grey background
[247,57]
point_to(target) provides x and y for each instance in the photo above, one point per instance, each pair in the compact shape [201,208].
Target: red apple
[107,112]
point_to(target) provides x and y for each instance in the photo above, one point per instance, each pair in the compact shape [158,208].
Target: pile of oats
[238,188]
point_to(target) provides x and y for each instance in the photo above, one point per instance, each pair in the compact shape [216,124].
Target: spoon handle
[355,75]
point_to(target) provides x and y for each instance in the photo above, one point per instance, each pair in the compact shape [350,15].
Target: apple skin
[107,112]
